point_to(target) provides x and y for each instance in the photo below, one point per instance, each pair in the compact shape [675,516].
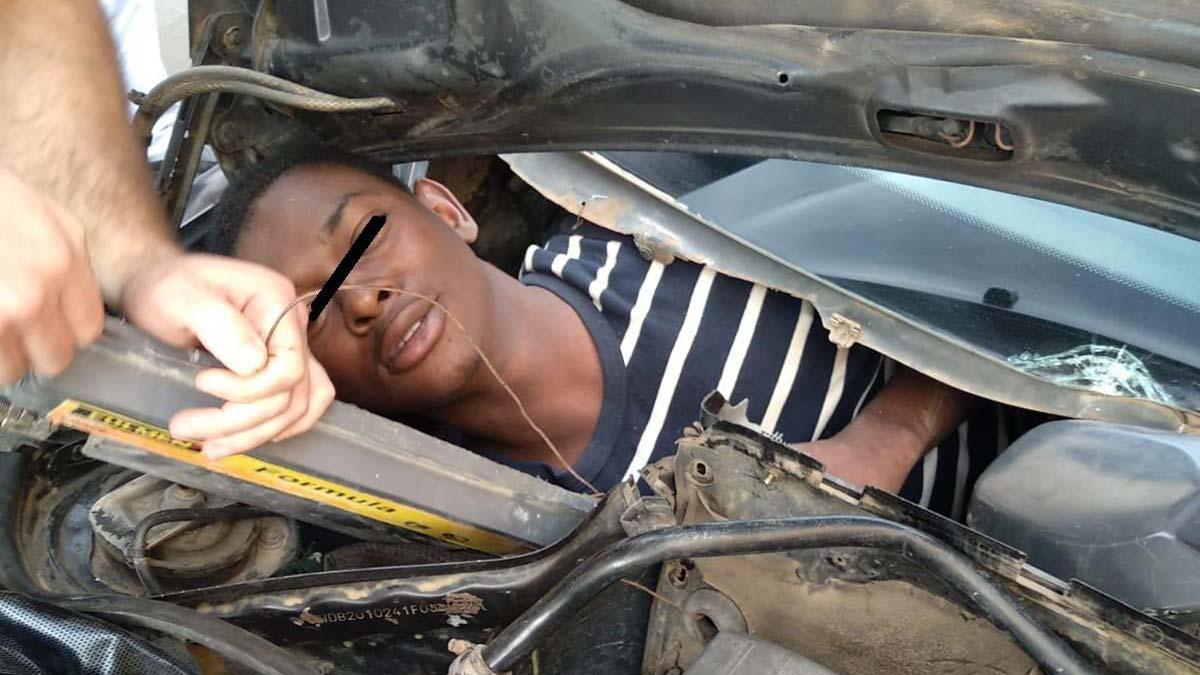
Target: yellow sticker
[101,422]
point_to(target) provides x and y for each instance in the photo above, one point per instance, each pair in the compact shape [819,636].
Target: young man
[610,353]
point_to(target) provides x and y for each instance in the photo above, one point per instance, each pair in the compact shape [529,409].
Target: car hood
[1096,99]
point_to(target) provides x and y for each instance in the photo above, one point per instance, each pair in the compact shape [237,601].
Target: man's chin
[428,390]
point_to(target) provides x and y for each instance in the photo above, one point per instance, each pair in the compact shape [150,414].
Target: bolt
[232,38]
[182,496]
[227,134]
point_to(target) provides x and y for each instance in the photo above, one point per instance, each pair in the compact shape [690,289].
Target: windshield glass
[1071,296]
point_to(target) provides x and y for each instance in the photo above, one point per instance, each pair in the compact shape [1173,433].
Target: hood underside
[1096,99]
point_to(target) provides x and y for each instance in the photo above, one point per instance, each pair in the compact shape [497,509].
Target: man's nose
[361,308]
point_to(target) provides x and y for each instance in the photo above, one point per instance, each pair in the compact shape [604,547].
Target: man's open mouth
[411,335]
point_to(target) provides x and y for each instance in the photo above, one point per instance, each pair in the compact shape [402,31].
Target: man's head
[389,352]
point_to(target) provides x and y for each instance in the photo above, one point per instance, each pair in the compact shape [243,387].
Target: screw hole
[784,78]
[700,473]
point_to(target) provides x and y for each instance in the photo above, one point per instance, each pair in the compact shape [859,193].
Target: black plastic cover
[1113,506]
[37,638]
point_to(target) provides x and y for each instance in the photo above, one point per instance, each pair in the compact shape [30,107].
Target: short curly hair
[236,209]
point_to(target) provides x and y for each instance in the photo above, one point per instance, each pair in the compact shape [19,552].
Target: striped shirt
[668,334]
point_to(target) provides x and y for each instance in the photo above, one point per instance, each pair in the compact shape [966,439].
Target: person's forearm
[64,130]
[903,422]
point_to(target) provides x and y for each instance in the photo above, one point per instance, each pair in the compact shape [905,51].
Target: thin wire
[654,594]
[486,362]
[1000,140]
[966,140]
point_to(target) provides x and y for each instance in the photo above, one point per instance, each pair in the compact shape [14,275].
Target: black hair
[230,217]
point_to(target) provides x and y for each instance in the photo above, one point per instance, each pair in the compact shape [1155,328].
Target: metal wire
[999,138]
[965,140]
[474,345]
[246,82]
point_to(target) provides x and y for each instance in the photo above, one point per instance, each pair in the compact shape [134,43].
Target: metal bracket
[844,332]
[646,515]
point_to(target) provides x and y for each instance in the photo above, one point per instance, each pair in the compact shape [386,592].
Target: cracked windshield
[1074,297]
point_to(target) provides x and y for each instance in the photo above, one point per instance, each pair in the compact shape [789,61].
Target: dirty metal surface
[525,75]
[864,611]
[465,598]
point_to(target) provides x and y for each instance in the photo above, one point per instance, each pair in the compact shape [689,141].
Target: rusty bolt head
[178,496]
[231,39]
[227,134]
[677,575]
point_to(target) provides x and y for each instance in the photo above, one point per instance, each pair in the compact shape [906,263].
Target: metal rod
[768,536]
[179,184]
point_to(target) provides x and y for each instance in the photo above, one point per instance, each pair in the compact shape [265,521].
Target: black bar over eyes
[361,243]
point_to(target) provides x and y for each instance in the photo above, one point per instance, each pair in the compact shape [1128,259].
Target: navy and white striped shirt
[668,334]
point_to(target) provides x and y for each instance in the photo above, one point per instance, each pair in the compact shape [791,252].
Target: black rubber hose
[12,568]
[138,554]
[233,80]
[237,645]
[707,540]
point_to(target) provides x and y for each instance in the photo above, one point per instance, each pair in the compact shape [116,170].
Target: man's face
[388,352]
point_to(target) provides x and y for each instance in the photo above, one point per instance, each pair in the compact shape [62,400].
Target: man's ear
[439,199]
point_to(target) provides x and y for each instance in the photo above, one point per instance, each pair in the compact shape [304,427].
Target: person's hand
[49,301]
[274,390]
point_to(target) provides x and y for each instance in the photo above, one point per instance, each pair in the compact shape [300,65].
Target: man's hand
[274,390]
[49,300]
[88,164]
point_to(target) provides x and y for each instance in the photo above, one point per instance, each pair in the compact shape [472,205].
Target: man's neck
[543,351]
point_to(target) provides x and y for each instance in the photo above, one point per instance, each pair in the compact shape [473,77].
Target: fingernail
[214,452]
[181,430]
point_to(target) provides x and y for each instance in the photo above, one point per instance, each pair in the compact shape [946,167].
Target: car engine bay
[380,545]
[853,581]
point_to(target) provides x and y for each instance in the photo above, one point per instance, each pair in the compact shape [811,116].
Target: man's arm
[79,199]
[64,131]
[893,431]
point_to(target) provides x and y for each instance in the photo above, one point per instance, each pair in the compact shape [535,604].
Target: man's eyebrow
[335,217]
